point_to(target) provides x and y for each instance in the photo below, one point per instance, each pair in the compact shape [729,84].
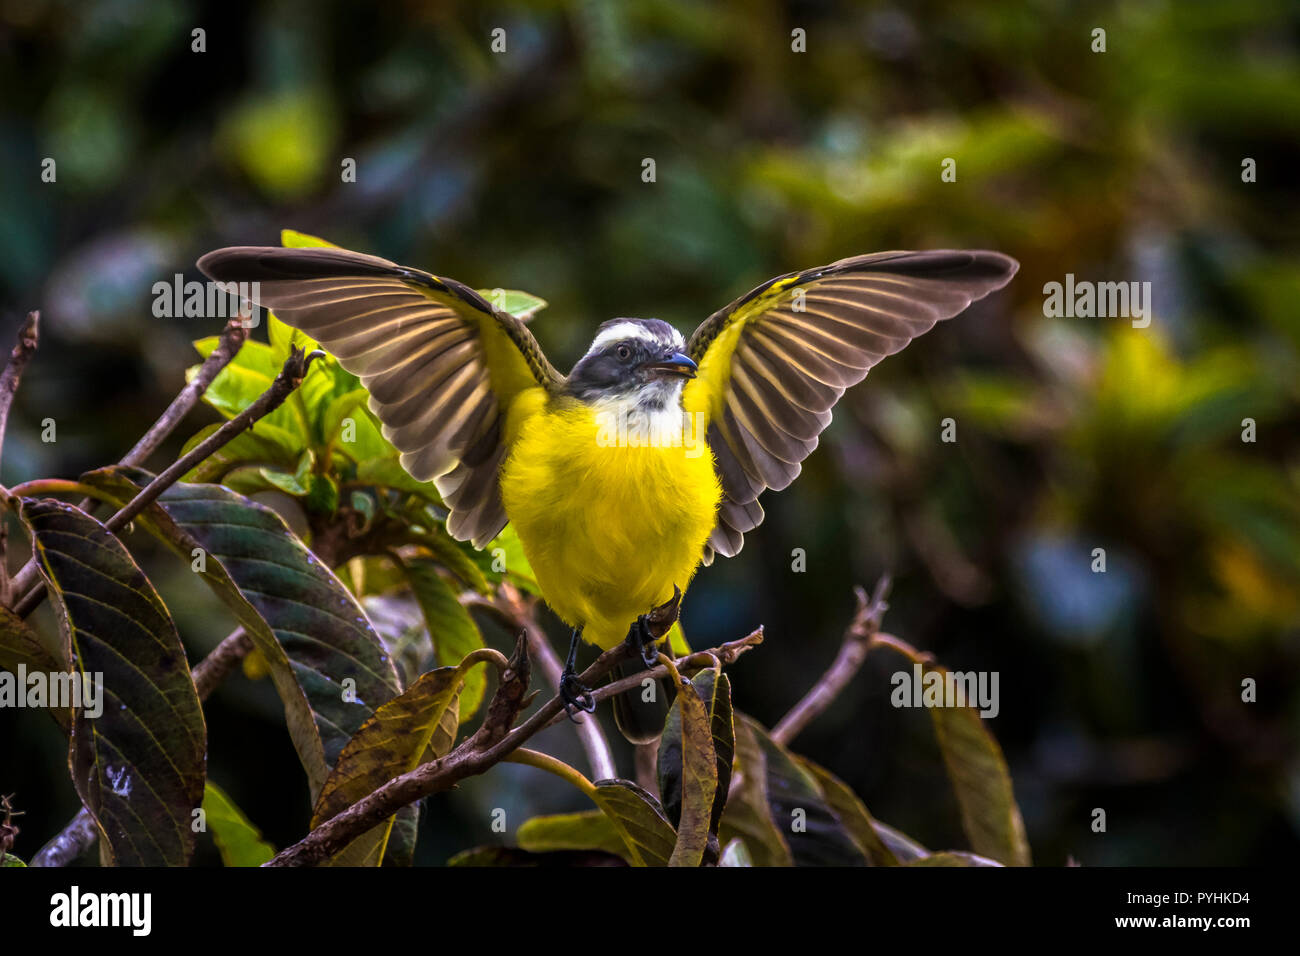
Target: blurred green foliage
[523,169]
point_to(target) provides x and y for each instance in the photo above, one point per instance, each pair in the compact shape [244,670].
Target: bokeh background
[523,169]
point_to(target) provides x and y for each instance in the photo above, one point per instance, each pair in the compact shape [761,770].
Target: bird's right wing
[774,362]
[441,364]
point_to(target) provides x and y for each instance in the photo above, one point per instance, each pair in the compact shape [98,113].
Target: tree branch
[69,843]
[221,662]
[853,651]
[290,377]
[485,748]
[24,348]
[28,339]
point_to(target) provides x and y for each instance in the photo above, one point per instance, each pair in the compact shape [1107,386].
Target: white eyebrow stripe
[624,330]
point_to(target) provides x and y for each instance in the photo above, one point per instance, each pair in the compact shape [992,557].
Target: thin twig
[599,756]
[69,843]
[221,662]
[24,348]
[28,339]
[853,651]
[290,377]
[485,748]
[233,337]
[534,758]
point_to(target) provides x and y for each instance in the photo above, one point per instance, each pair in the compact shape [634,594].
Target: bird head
[640,361]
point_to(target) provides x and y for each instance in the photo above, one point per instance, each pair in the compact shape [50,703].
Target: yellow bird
[649,457]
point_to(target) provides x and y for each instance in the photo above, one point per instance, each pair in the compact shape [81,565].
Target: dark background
[523,170]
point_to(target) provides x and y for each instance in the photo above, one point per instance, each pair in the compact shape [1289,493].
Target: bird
[648,459]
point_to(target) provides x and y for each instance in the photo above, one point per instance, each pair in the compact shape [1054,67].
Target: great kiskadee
[649,458]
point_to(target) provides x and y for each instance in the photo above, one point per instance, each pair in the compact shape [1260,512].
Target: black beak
[675,363]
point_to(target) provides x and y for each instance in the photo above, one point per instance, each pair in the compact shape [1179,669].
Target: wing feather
[440,363]
[774,362]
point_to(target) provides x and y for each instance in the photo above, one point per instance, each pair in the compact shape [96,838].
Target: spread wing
[774,362]
[440,363]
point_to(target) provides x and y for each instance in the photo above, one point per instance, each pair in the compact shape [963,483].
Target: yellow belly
[608,528]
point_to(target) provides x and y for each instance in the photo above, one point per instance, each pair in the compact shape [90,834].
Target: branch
[70,842]
[28,339]
[290,377]
[220,662]
[24,348]
[858,638]
[485,748]
[541,761]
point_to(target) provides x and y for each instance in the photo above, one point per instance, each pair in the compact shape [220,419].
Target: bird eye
[623,352]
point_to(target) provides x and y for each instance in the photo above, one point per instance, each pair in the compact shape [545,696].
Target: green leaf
[238,841]
[453,556]
[698,777]
[798,809]
[388,473]
[283,338]
[295,484]
[639,820]
[980,778]
[10,860]
[412,728]
[262,445]
[588,830]
[293,239]
[350,404]
[677,642]
[522,305]
[20,647]
[852,814]
[369,448]
[327,663]
[748,814]
[398,620]
[138,766]
[242,382]
[504,557]
[716,695]
[403,837]
[452,630]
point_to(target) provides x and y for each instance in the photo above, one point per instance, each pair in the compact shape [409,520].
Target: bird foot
[575,695]
[643,641]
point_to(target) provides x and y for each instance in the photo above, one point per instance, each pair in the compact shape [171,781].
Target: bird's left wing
[441,364]
[774,362]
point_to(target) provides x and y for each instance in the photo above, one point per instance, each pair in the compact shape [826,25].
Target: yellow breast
[612,510]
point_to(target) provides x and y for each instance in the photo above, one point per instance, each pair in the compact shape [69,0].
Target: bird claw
[646,644]
[576,696]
